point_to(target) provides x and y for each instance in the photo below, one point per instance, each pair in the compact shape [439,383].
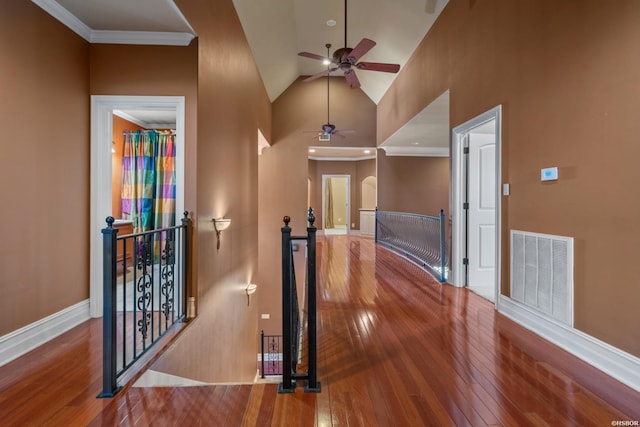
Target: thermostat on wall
[549,174]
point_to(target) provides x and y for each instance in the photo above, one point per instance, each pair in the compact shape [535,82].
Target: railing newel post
[287,385]
[375,232]
[262,354]
[109,348]
[443,256]
[313,385]
[186,241]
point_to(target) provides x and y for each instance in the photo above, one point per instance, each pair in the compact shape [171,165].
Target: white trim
[141,37]
[262,142]
[458,135]
[53,8]
[341,159]
[23,340]
[102,107]
[142,123]
[416,151]
[614,362]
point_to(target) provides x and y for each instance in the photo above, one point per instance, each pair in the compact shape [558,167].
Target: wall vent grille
[542,273]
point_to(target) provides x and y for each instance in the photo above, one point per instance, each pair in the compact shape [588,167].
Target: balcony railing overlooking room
[145,294]
[419,237]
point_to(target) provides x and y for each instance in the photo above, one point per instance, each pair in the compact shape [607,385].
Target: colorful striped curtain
[149,179]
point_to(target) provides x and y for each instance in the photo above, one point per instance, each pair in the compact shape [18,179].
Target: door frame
[458,238]
[348,197]
[102,107]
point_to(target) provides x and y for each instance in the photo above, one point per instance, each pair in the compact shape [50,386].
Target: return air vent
[542,273]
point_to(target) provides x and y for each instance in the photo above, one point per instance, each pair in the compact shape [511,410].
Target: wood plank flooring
[395,348]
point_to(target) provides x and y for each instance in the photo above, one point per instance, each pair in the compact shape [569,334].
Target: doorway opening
[102,108]
[335,204]
[476,204]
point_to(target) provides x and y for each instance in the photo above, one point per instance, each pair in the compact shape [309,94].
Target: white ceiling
[276,31]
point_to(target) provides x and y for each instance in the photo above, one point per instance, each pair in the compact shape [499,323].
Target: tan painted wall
[364,168]
[566,75]
[302,109]
[284,172]
[335,168]
[221,344]
[44,169]
[413,184]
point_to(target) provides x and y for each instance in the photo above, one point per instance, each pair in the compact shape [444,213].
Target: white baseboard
[23,340]
[622,366]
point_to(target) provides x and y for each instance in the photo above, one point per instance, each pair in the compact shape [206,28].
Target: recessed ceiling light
[326,62]
[415,143]
[367,151]
[331,23]
[311,150]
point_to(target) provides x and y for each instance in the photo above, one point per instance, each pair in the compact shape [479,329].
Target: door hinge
[465,261]
[465,150]
[465,205]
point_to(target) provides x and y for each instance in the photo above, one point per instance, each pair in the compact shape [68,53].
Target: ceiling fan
[328,128]
[346,59]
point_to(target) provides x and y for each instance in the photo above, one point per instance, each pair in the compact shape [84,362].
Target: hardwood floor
[395,348]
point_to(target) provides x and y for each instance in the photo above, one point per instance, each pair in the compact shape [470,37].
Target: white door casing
[458,240]
[102,107]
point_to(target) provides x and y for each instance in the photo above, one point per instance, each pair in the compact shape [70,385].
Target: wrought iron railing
[145,294]
[290,311]
[419,237]
[270,355]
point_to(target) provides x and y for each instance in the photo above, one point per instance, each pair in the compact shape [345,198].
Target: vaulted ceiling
[277,30]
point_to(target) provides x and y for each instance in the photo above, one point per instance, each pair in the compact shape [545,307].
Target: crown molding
[54,9]
[341,159]
[141,37]
[416,151]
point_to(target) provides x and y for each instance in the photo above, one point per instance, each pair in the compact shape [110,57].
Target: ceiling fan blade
[313,56]
[337,133]
[346,131]
[378,66]
[361,48]
[317,75]
[352,79]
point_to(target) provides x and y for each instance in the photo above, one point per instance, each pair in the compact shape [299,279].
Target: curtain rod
[173,131]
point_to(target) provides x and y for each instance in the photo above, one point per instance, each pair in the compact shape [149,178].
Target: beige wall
[221,344]
[44,117]
[413,184]
[364,168]
[566,76]
[284,172]
[323,167]
[357,171]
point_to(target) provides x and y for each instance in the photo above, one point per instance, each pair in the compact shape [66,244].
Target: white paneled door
[481,244]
